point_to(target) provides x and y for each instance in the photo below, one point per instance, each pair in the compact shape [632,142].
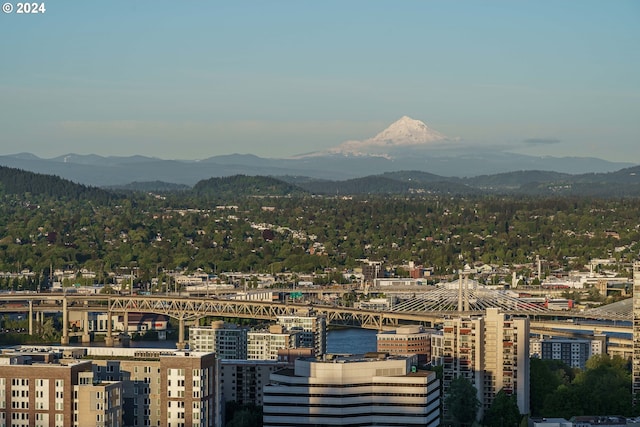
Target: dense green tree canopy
[603,388]
[503,411]
[191,230]
[461,403]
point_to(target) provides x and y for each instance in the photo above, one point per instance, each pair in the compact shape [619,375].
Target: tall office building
[492,351]
[375,389]
[636,331]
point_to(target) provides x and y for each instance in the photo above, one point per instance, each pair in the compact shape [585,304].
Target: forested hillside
[388,184]
[307,234]
[284,229]
[242,185]
[153,186]
[623,183]
[19,182]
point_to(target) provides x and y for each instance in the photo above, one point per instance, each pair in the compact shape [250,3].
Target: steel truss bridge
[193,309]
[190,309]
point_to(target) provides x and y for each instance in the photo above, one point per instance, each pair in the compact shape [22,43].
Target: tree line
[29,184]
[308,234]
[602,388]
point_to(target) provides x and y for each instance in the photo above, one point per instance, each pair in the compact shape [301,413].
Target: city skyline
[191,81]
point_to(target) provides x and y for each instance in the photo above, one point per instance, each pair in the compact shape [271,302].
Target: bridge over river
[190,309]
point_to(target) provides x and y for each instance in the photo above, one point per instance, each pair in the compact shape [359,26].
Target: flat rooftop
[104,352]
[351,358]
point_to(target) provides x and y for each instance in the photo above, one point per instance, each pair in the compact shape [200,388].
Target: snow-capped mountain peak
[405,132]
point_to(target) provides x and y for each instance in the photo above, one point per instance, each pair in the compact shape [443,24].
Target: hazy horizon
[195,80]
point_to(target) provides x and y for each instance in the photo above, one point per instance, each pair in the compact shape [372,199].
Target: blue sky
[190,80]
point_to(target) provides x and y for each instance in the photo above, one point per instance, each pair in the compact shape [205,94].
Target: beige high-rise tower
[491,351]
[636,331]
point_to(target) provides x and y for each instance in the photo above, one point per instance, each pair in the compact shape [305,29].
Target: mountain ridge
[622,183]
[113,171]
[405,145]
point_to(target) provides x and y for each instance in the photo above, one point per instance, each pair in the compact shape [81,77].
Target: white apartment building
[264,345]
[313,329]
[352,390]
[232,342]
[572,351]
[227,340]
[492,351]
[437,348]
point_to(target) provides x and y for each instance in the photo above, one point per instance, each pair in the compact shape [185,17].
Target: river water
[339,341]
[351,341]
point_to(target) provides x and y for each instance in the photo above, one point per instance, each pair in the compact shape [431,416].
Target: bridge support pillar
[108,340]
[65,322]
[40,320]
[30,317]
[125,324]
[86,338]
[181,344]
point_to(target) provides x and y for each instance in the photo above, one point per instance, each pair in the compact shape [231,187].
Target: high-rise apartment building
[437,348]
[97,403]
[168,388]
[232,342]
[312,326]
[492,351]
[227,340]
[117,387]
[375,389]
[636,331]
[242,381]
[190,390]
[264,345]
[572,351]
[56,394]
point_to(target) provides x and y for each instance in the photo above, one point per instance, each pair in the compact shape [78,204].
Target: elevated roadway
[188,309]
